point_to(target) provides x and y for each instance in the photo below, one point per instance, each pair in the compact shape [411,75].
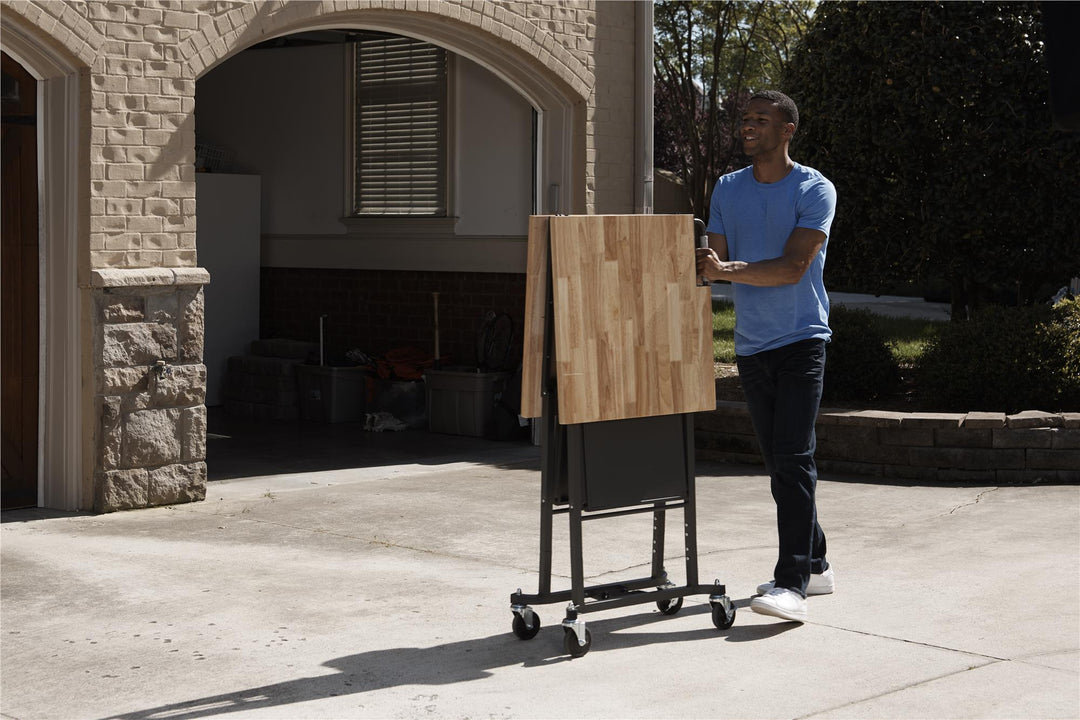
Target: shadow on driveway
[238,447]
[447,664]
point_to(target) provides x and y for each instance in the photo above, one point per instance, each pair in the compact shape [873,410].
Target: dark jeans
[783,392]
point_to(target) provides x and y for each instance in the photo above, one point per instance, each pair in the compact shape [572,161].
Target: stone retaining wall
[950,447]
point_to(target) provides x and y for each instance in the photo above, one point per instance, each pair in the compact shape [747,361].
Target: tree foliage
[932,120]
[709,57]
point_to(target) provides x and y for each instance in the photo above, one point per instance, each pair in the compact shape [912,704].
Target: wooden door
[19,288]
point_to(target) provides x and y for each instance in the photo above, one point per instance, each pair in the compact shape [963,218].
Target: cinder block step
[264,386]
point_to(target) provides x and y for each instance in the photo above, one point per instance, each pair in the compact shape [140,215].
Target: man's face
[764,127]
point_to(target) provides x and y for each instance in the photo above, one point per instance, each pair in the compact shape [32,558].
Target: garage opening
[363,201]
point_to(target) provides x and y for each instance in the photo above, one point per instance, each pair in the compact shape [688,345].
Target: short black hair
[786,104]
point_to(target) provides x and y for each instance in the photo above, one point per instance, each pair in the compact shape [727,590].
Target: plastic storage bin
[463,403]
[332,394]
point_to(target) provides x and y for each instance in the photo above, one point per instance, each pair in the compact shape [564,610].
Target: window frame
[413,223]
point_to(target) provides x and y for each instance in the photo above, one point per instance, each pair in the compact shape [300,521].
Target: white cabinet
[228,244]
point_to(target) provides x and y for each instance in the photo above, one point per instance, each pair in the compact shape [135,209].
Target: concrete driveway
[383,592]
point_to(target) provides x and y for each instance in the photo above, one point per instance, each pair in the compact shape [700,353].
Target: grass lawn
[723,331]
[907,336]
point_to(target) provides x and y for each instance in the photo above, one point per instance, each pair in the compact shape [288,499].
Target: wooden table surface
[633,330]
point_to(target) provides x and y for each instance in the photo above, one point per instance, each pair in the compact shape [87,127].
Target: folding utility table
[617,358]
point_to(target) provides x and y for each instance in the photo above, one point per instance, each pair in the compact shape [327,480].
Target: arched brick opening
[545,75]
[56,29]
[553,81]
[449,24]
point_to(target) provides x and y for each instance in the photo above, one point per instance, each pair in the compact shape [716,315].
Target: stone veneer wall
[150,387]
[948,447]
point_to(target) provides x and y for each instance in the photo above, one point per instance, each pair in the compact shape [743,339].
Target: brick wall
[611,118]
[144,60]
[377,310]
[139,62]
[949,447]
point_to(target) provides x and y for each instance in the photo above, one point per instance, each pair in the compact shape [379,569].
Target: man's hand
[709,265]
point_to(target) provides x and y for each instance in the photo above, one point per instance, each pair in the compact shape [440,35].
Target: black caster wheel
[571,645]
[723,615]
[670,606]
[525,631]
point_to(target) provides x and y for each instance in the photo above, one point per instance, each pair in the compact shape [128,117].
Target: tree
[709,57]
[932,120]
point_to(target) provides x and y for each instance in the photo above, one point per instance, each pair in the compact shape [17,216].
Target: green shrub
[1067,317]
[1005,360]
[859,362]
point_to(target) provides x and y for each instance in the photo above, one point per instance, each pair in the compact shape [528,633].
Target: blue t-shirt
[757,219]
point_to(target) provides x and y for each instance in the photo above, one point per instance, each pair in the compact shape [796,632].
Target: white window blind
[400,144]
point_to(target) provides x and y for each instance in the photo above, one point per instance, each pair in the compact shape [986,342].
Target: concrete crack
[916,642]
[988,661]
[976,501]
[854,703]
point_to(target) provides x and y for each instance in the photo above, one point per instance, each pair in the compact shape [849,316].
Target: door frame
[64,438]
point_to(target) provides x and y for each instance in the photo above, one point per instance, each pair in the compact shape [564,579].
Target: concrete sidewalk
[383,592]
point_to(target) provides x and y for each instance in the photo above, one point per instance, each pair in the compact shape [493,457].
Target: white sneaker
[822,584]
[781,603]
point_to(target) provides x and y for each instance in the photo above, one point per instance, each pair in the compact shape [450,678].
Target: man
[768,230]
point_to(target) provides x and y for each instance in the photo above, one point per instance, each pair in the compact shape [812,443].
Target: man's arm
[799,251]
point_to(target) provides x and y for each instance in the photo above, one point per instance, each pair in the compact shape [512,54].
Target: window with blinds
[400,144]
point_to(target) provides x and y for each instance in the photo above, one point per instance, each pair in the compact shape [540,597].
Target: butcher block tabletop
[633,330]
